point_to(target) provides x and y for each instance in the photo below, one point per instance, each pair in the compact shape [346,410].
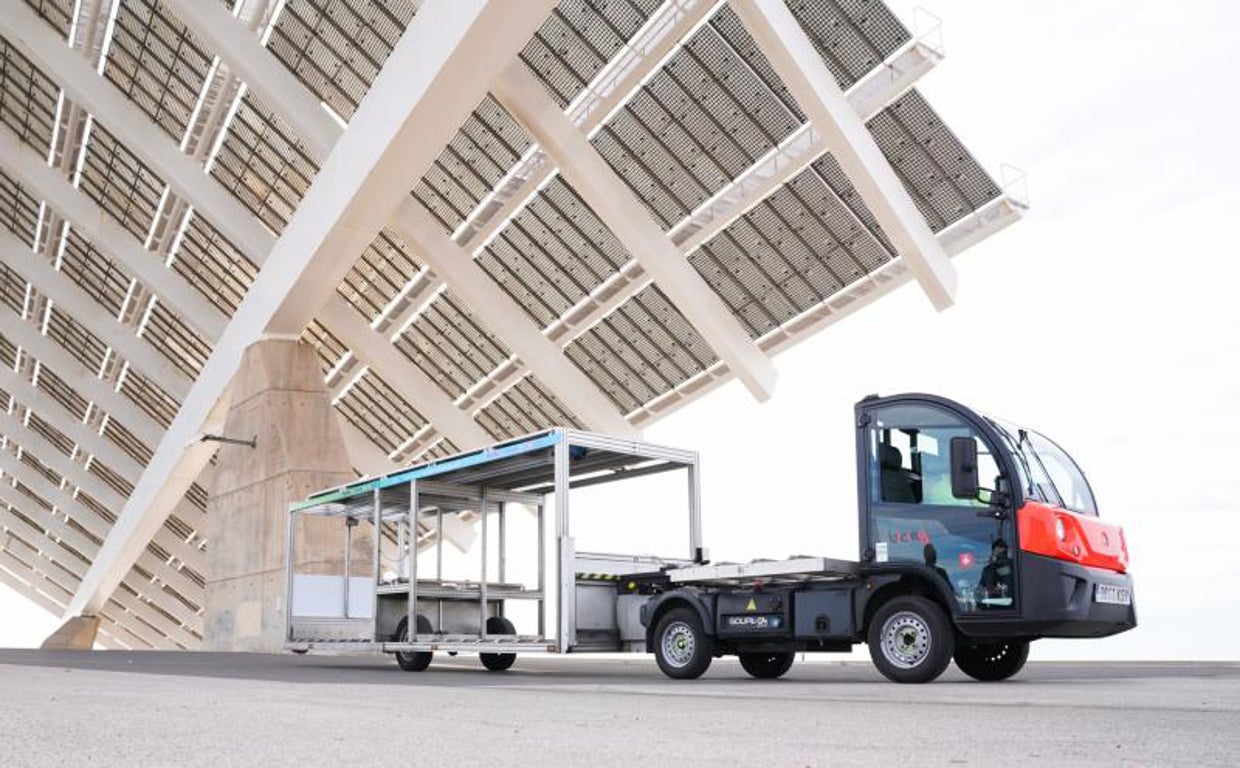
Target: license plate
[1105,593]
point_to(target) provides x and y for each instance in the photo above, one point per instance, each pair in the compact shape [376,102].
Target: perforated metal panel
[157,63]
[27,98]
[942,176]
[57,13]
[698,123]
[642,350]
[526,407]
[76,339]
[380,412]
[482,152]
[379,275]
[212,264]
[264,165]
[852,36]
[120,183]
[553,253]
[175,340]
[150,398]
[330,348]
[579,38]
[336,47]
[98,276]
[451,346]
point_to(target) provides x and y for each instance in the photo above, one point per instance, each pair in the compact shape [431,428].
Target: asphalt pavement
[218,710]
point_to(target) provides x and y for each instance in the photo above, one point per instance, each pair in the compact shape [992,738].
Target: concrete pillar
[76,634]
[278,397]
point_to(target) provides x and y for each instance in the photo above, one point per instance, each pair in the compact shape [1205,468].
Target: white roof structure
[488,217]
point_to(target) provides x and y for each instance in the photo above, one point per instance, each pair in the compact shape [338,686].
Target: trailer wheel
[413,661]
[498,662]
[767,666]
[682,648]
[910,640]
[992,661]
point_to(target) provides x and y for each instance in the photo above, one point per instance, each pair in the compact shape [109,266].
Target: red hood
[1087,540]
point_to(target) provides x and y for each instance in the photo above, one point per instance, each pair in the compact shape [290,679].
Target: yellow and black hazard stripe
[598,577]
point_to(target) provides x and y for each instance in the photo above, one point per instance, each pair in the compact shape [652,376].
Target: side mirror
[964,467]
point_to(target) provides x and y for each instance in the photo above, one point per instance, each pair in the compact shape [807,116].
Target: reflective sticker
[880,551]
[752,605]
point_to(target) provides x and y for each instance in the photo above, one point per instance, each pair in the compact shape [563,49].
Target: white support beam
[793,56]
[616,205]
[109,237]
[19,585]
[238,46]
[78,304]
[34,38]
[433,77]
[405,377]
[507,320]
[365,456]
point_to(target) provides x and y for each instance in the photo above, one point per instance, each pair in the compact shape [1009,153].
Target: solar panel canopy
[156,156]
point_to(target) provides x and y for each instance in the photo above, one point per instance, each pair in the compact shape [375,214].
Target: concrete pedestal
[76,634]
[278,397]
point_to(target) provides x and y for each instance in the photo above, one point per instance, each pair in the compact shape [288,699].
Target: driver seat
[897,483]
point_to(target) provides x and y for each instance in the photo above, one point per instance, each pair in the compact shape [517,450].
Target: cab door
[910,515]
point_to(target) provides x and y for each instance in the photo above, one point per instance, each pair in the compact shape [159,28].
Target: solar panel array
[81,420]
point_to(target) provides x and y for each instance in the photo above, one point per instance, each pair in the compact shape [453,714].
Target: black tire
[413,661]
[681,646]
[498,662]
[991,661]
[910,639]
[767,666]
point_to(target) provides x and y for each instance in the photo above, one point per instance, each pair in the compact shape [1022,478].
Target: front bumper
[1057,599]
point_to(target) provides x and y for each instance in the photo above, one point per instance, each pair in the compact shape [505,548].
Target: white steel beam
[435,74]
[30,34]
[78,304]
[793,56]
[507,320]
[109,237]
[617,206]
[238,46]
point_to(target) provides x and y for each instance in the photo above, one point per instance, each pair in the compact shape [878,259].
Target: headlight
[1060,532]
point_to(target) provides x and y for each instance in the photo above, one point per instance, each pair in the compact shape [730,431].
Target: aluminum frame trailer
[366,560]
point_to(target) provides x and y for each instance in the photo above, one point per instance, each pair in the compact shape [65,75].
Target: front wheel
[498,662]
[766,666]
[910,640]
[681,646]
[992,661]
[413,661]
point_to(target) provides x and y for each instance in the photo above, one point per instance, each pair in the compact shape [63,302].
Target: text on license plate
[1105,593]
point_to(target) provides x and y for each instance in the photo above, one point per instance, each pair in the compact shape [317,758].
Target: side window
[910,461]
[914,517]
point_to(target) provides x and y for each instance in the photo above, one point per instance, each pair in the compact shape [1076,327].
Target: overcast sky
[1105,319]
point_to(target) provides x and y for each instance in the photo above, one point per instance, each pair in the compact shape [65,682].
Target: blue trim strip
[451,464]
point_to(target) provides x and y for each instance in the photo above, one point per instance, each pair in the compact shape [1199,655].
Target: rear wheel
[498,662]
[910,640]
[681,647]
[992,661]
[413,661]
[767,666]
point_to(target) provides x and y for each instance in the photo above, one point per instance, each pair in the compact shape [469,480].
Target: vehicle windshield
[1047,473]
